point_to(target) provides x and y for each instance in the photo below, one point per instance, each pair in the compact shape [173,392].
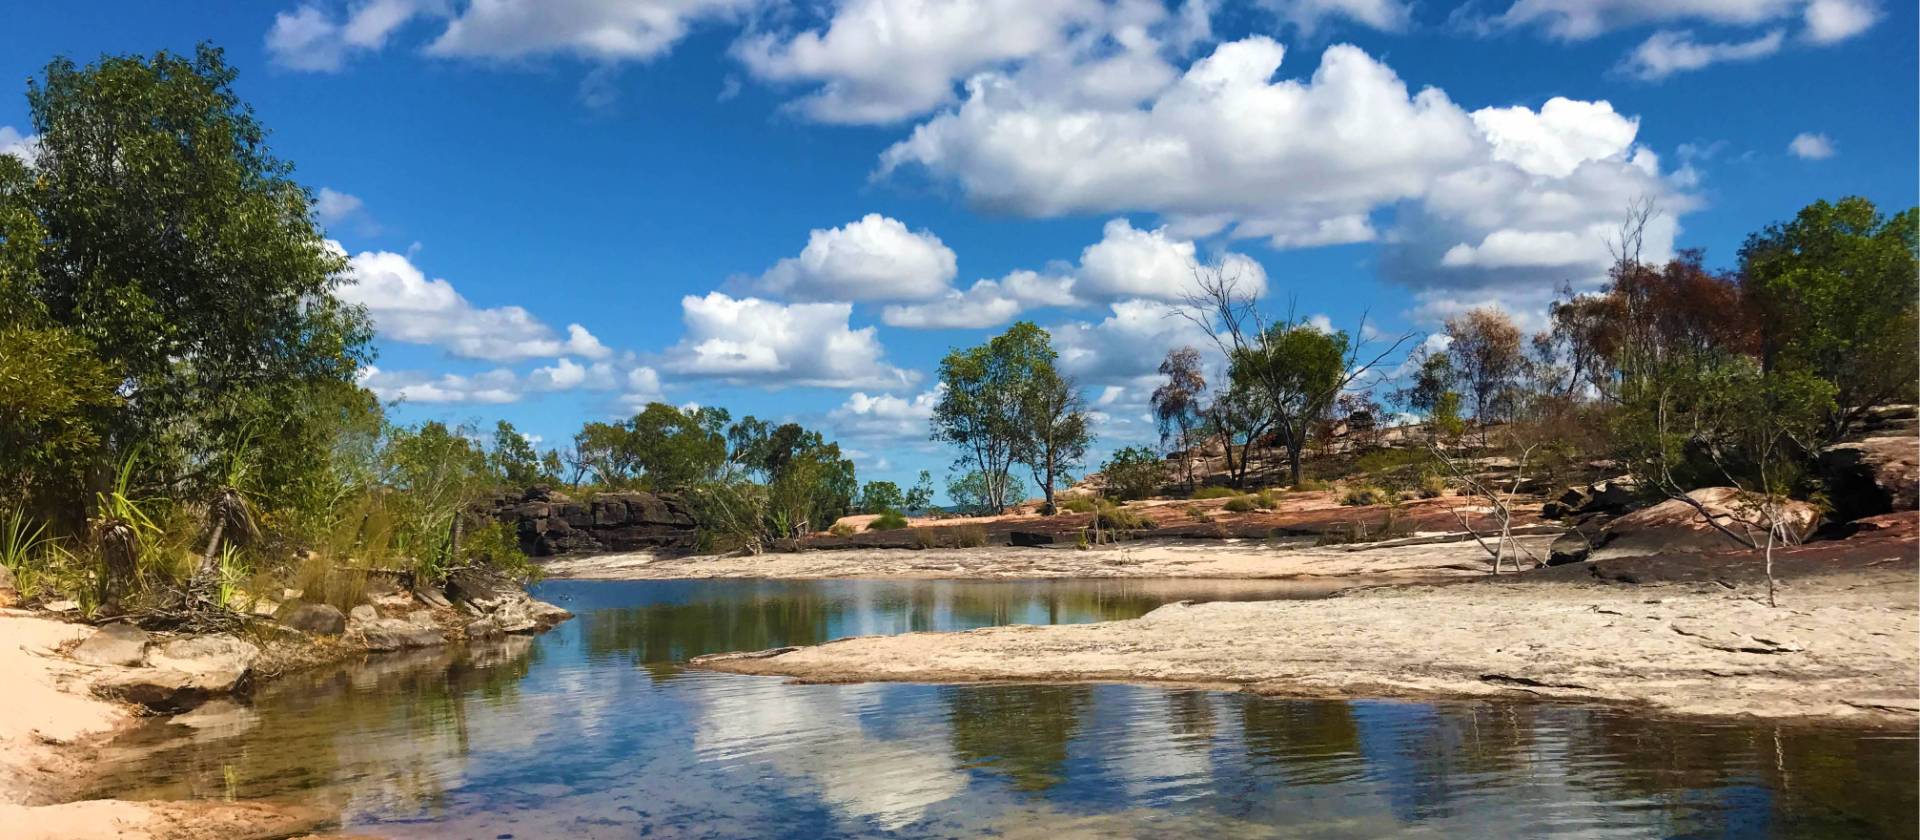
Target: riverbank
[1425,556]
[1840,648]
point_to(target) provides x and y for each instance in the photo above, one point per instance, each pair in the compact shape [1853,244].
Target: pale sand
[1841,648]
[49,721]
[1142,559]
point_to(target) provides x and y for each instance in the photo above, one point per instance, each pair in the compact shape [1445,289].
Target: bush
[957,536]
[1312,484]
[1364,494]
[891,520]
[1135,472]
[1079,505]
[1265,500]
[1197,513]
[1215,492]
[1116,518]
[1240,504]
[841,529]
[497,546]
[1432,486]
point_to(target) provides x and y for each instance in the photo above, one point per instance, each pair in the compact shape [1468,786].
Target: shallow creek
[594,730]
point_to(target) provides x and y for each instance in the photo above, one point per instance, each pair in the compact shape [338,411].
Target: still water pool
[595,730]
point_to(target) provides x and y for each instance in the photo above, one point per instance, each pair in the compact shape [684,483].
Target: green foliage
[1296,372]
[1215,492]
[439,474]
[891,520]
[55,398]
[496,545]
[879,496]
[972,494]
[1444,420]
[513,460]
[1079,504]
[1308,485]
[1005,403]
[1836,289]
[1266,500]
[1134,472]
[841,529]
[920,496]
[1197,513]
[1241,504]
[1119,518]
[1394,470]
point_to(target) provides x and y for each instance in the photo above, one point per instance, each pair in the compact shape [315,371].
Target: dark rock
[315,619]
[1032,539]
[115,644]
[1571,547]
[162,690]
[1872,476]
[547,523]
[385,634]
[1610,496]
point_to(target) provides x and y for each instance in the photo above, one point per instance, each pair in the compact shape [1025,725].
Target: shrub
[957,536]
[841,529]
[497,546]
[1215,492]
[1116,518]
[1240,504]
[1363,494]
[1432,486]
[1265,500]
[1197,513]
[1312,484]
[1079,505]
[892,520]
[1135,472]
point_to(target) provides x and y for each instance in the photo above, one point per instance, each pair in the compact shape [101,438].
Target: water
[595,731]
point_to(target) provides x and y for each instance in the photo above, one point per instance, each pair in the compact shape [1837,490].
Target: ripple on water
[596,731]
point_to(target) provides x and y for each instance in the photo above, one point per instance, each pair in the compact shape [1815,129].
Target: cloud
[1127,345]
[987,303]
[885,417]
[1290,160]
[334,208]
[751,340]
[1809,145]
[1667,52]
[310,39]
[1131,263]
[1310,15]
[407,306]
[874,258]
[1581,19]
[23,146]
[492,387]
[1831,21]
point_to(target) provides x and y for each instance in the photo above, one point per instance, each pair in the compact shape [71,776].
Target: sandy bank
[1143,559]
[1842,647]
[50,728]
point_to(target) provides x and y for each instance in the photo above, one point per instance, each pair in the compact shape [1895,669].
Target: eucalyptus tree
[1004,403]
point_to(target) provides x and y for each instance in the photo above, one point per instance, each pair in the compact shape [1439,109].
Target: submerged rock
[317,619]
[115,644]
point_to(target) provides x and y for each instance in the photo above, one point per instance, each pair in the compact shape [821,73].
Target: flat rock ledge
[1839,649]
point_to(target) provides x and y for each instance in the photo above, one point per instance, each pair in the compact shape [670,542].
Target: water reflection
[594,731]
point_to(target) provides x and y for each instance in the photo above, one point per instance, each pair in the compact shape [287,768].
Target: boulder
[363,614]
[218,661]
[162,690]
[481,589]
[115,644]
[549,523]
[1032,539]
[422,618]
[513,618]
[1570,547]
[313,619]
[1871,476]
[1677,526]
[482,628]
[384,634]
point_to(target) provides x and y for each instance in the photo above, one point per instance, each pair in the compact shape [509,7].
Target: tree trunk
[119,555]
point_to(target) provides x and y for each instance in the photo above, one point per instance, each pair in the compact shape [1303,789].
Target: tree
[1485,350]
[179,251]
[1177,402]
[1237,419]
[920,497]
[440,473]
[675,448]
[1836,289]
[1053,435]
[1294,369]
[972,494]
[986,408]
[512,458]
[880,497]
[1134,472]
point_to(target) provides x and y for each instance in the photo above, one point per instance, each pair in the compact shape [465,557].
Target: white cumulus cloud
[408,306]
[775,344]
[1809,145]
[23,146]
[873,258]
[1667,52]
[492,387]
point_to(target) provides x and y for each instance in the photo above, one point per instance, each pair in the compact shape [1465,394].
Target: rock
[432,597]
[1872,476]
[61,606]
[383,634]
[363,614]
[514,618]
[218,719]
[1032,539]
[315,619]
[115,644]
[1570,547]
[482,628]
[481,589]
[1676,526]
[549,523]
[1610,496]
[422,618]
[161,690]
[218,661]
[547,615]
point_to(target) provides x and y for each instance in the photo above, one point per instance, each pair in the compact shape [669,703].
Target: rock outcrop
[388,634]
[1873,475]
[181,674]
[314,619]
[504,604]
[1676,526]
[115,644]
[549,523]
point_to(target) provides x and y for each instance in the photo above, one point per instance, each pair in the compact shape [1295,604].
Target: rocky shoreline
[72,688]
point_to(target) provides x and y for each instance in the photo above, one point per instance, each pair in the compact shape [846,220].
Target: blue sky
[768,206]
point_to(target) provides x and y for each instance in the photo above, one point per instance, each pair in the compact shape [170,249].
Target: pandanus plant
[230,521]
[120,530]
